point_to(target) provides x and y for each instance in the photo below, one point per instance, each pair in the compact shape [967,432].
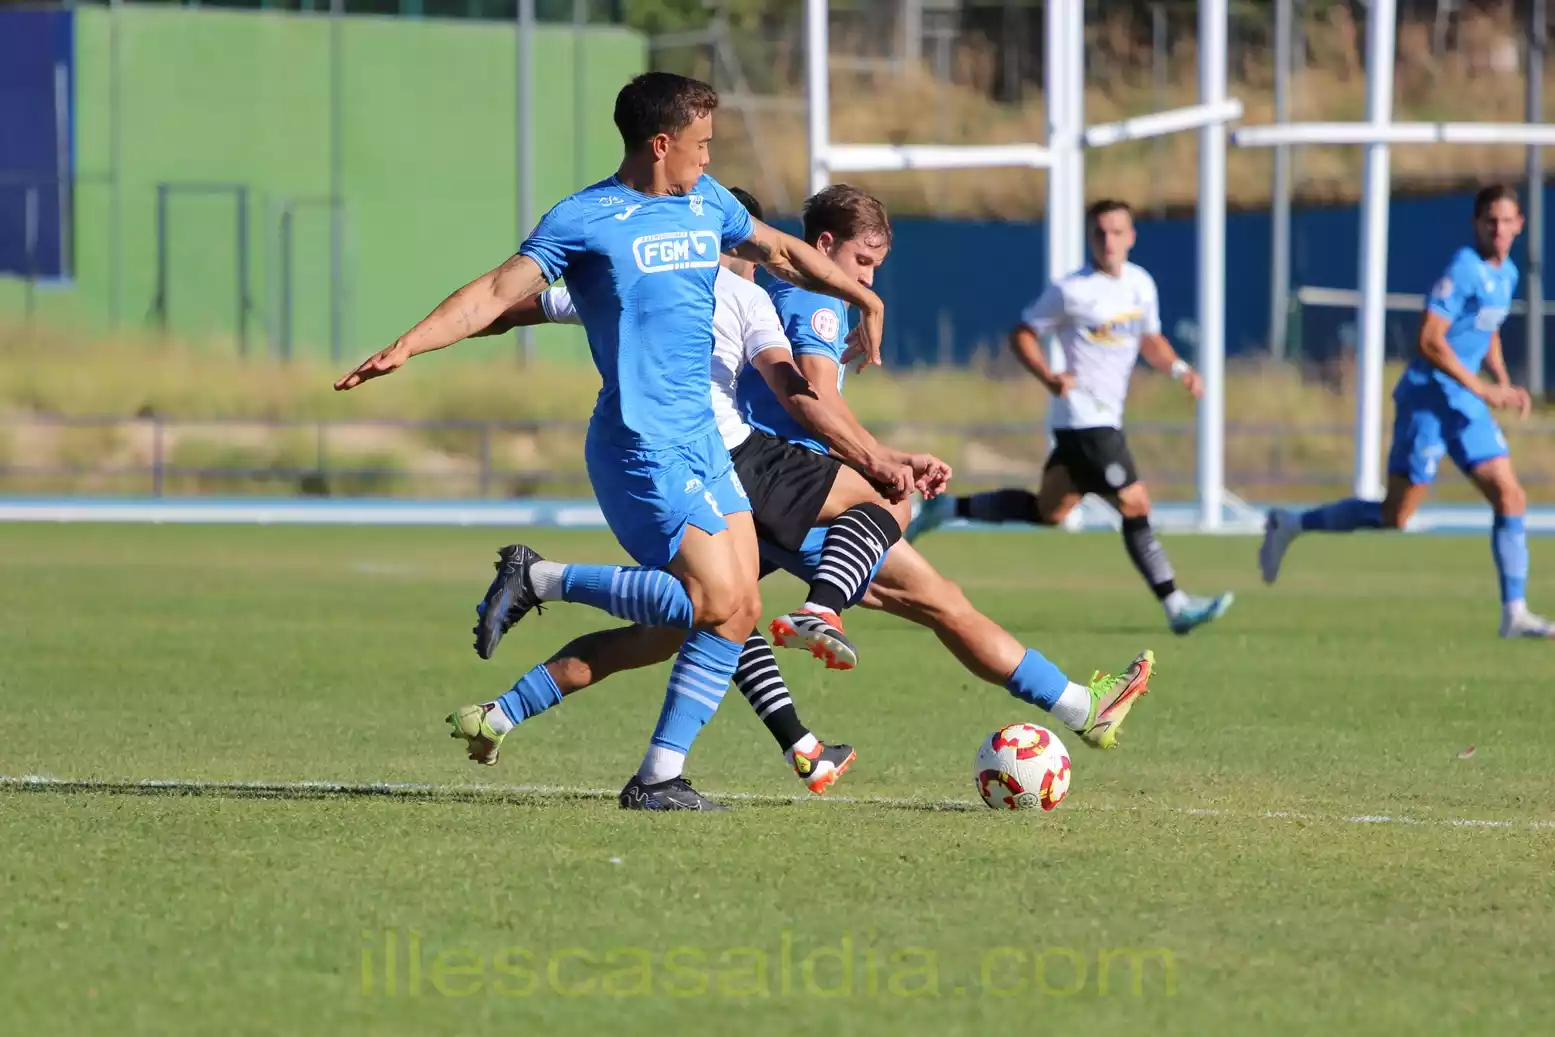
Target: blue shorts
[1424,432]
[806,560]
[649,497]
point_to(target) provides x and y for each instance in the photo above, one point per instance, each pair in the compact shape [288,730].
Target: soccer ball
[1022,767]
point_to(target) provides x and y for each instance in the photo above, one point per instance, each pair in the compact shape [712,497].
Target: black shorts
[1097,459]
[787,486]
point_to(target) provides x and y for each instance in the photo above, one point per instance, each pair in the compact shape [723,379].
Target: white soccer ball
[1022,767]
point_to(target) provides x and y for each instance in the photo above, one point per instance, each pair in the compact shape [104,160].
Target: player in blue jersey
[640,252]
[1443,407]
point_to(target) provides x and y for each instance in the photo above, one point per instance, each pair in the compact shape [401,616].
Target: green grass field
[286,655]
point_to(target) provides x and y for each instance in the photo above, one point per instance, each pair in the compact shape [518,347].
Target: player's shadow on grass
[537,796]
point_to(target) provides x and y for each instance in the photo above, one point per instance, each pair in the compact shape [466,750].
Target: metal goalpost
[1063,157]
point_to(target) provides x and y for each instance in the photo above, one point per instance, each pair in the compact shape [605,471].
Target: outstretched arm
[468,312]
[800,264]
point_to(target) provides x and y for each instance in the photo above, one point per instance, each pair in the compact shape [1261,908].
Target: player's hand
[1509,397]
[930,474]
[1194,383]
[1061,384]
[892,478]
[864,340]
[385,361]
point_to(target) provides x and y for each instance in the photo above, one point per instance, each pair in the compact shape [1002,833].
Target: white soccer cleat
[1279,529]
[1525,624]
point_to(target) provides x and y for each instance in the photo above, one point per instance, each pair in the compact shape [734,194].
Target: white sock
[498,718]
[811,606]
[661,765]
[1175,602]
[1514,610]
[546,578]
[1073,707]
[805,745]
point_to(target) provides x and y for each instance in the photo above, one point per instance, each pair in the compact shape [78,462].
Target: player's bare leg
[862,526]
[909,587]
[1497,480]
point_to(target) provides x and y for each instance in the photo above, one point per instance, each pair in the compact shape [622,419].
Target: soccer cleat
[674,794]
[932,515]
[1199,611]
[819,633]
[482,741]
[508,599]
[1279,529]
[821,768]
[1112,696]
[1527,624]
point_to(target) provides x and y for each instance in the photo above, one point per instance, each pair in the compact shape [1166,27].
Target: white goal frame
[1063,156]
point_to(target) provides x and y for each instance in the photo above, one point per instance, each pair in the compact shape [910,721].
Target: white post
[1062,137]
[818,91]
[524,133]
[1074,49]
[1538,25]
[1279,205]
[1211,358]
[1370,345]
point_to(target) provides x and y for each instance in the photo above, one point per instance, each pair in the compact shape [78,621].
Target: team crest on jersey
[825,324]
[696,204]
[1443,288]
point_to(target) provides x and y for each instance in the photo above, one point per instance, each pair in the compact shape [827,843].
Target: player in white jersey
[1106,316]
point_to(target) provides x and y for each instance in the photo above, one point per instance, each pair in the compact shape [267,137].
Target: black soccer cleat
[508,599]
[674,794]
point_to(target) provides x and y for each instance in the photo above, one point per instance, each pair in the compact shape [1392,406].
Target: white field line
[410,790]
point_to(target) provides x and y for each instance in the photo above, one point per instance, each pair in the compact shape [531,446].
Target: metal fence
[161,457]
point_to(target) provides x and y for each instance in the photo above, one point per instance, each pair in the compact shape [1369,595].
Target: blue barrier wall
[953,288]
[32,45]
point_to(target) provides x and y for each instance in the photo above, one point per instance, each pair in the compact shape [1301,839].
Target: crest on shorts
[825,324]
[1116,475]
[1443,289]
[696,204]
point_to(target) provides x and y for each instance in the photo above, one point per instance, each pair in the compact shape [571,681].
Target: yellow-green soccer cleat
[481,739]
[1112,696]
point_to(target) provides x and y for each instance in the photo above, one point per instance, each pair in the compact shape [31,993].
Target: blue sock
[698,681]
[1343,515]
[651,597]
[1509,545]
[535,692]
[1038,681]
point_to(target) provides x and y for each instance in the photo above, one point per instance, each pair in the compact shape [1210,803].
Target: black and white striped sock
[759,681]
[854,545]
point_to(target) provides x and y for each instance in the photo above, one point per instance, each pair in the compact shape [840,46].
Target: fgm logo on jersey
[675,250]
[825,324]
[696,204]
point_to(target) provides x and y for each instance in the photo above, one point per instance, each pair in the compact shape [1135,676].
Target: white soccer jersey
[744,324]
[1099,320]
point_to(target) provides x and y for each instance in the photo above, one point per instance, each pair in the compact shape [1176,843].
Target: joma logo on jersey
[676,250]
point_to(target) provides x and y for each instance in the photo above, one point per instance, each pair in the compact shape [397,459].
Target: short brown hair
[1097,209]
[1490,194]
[847,213]
[660,102]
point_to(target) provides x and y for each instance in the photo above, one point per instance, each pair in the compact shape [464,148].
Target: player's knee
[723,603]
[1509,498]
[1051,516]
[1395,515]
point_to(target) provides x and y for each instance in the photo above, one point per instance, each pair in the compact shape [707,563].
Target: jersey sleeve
[814,328]
[1451,292]
[558,307]
[760,325]
[1152,307]
[737,223]
[1045,314]
[556,240]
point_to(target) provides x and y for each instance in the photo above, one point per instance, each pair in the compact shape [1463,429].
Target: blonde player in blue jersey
[1443,408]
[640,252]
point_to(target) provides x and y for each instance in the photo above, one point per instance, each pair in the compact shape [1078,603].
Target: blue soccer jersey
[816,325]
[640,269]
[1475,296]
[1436,415]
